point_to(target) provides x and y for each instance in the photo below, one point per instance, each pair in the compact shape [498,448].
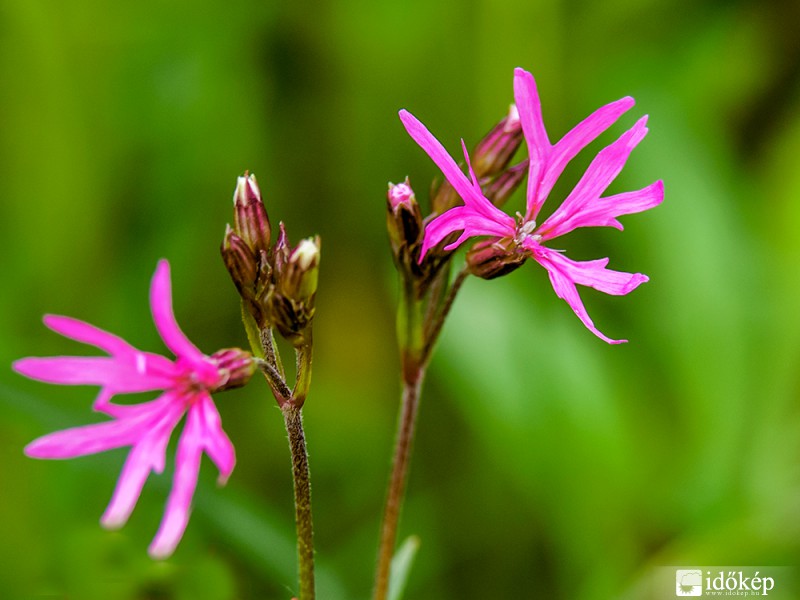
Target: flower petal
[526,98]
[565,274]
[184,483]
[433,148]
[134,422]
[579,137]
[603,212]
[463,218]
[601,172]
[88,334]
[147,455]
[164,317]
[148,372]
[88,439]
[469,191]
[548,161]
[216,442]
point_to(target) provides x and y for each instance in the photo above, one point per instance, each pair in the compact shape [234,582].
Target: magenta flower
[583,207]
[187,383]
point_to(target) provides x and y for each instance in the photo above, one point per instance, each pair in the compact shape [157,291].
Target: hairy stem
[270,354]
[397,482]
[292,416]
[279,388]
[417,334]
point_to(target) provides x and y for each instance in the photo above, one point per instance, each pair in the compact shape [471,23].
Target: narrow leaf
[401,567]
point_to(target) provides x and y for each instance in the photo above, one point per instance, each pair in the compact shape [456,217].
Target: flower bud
[495,150]
[249,275]
[443,196]
[299,278]
[501,187]
[489,259]
[295,275]
[236,365]
[400,194]
[250,219]
[240,262]
[403,220]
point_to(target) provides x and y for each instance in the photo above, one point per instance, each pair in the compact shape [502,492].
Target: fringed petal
[601,172]
[184,483]
[164,317]
[565,274]
[147,455]
[216,442]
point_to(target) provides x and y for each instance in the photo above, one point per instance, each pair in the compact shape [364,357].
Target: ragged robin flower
[584,206]
[187,384]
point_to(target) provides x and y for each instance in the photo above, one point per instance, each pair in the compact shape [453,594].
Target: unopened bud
[501,187]
[295,277]
[236,365]
[489,259]
[240,261]
[403,220]
[250,219]
[443,197]
[401,194]
[299,279]
[249,275]
[489,158]
[495,150]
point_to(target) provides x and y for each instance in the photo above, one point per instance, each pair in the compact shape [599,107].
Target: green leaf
[401,567]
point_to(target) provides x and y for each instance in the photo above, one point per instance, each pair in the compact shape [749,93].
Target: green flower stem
[434,328]
[292,416]
[291,403]
[410,334]
[417,336]
[397,483]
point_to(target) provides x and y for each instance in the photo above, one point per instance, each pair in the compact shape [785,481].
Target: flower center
[525,229]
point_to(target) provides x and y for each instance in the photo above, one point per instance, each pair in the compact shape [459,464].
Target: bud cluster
[277,284]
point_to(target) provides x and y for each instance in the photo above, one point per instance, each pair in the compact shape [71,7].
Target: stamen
[527,228]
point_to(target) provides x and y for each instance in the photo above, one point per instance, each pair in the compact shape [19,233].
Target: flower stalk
[291,404]
[293,419]
[397,481]
[278,286]
[417,331]
[426,299]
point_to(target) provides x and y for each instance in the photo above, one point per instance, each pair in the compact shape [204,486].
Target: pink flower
[147,427]
[583,207]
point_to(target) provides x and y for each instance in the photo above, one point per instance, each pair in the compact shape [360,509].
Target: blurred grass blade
[401,567]
[262,539]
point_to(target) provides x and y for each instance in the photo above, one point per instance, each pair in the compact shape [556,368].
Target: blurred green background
[548,464]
